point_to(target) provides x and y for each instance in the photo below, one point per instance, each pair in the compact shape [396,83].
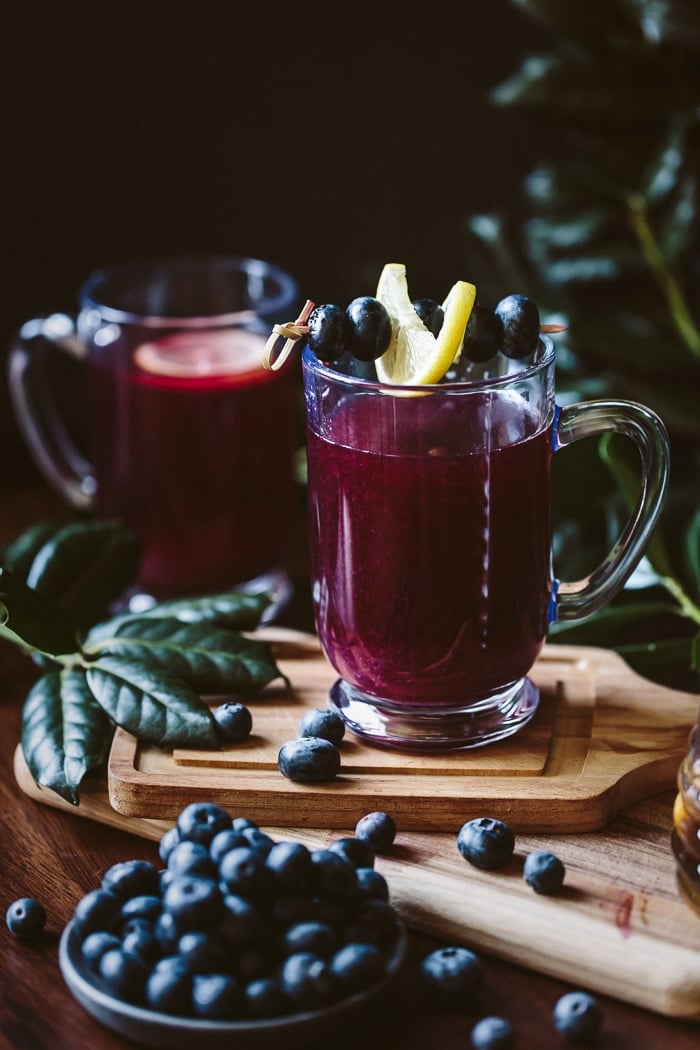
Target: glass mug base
[430,728]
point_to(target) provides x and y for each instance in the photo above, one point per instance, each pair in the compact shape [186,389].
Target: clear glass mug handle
[581,598]
[40,423]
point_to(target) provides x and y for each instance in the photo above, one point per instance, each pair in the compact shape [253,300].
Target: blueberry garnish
[371,328]
[521,326]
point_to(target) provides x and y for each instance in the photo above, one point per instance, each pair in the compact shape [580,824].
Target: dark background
[327,138]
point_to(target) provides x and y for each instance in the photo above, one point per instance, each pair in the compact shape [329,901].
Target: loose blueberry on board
[309,760]
[448,975]
[578,1016]
[234,721]
[544,872]
[324,723]
[521,326]
[431,314]
[378,830]
[330,332]
[483,335]
[371,328]
[486,842]
[493,1033]
[25,918]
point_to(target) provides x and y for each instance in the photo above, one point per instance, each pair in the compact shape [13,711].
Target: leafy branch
[145,672]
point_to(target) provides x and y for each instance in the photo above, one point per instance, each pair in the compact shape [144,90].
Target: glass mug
[189,440]
[430,542]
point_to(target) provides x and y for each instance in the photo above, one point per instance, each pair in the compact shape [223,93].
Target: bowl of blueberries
[239,939]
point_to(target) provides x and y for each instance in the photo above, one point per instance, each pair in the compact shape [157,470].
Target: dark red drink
[430,536]
[192,442]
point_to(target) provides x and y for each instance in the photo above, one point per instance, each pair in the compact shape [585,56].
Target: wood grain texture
[602,738]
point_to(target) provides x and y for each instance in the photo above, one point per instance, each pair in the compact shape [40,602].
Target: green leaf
[64,732]
[692,549]
[673,661]
[208,658]
[33,621]
[85,566]
[629,482]
[606,627]
[239,610]
[19,554]
[155,706]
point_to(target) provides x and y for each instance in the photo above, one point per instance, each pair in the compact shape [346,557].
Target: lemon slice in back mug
[200,355]
[415,357]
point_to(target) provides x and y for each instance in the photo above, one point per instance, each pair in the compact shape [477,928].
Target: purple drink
[192,442]
[430,538]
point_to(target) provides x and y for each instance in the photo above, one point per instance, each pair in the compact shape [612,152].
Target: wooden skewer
[290,332]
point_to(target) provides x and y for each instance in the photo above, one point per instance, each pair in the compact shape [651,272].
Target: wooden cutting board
[620,926]
[602,738]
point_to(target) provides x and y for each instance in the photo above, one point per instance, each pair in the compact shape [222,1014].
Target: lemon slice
[414,356]
[210,353]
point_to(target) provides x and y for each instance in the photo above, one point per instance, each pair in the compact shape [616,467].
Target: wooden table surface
[57,857]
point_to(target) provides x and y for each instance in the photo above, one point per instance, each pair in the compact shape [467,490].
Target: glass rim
[285,296]
[547,358]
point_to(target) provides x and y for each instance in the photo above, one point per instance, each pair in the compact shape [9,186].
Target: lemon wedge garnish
[414,356]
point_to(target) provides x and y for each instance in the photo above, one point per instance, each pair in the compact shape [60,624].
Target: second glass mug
[190,441]
[430,538]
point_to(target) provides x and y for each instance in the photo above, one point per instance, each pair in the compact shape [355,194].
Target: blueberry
[233,720]
[240,823]
[96,944]
[356,966]
[316,937]
[289,864]
[123,974]
[371,884]
[332,876]
[578,1016]
[145,906]
[225,841]
[493,1033]
[242,871]
[201,952]
[242,923]
[264,998]
[309,760]
[217,996]
[378,830]
[257,839]
[25,918]
[291,908]
[166,932]
[130,878]
[168,986]
[195,903]
[140,940]
[168,842]
[371,328]
[307,980]
[374,922]
[521,326]
[97,910]
[191,858]
[486,842]
[431,314]
[324,723]
[357,852]
[201,821]
[483,335]
[330,332]
[543,871]
[447,975]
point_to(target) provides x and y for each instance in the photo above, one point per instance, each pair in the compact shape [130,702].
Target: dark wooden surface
[57,858]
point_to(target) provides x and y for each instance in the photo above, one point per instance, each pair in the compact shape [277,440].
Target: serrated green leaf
[65,733]
[208,658]
[85,566]
[155,706]
[32,619]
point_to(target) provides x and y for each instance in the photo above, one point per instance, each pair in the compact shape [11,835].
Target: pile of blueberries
[364,329]
[238,925]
